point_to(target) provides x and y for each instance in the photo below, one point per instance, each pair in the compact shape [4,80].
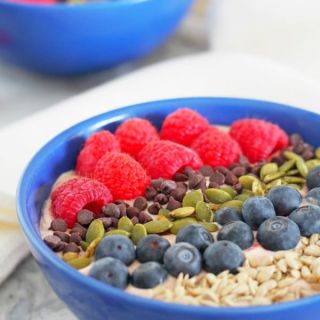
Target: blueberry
[278,233]
[226,215]
[148,275]
[284,199]
[183,258]
[308,219]
[152,248]
[196,235]
[313,178]
[313,196]
[255,210]
[110,271]
[238,232]
[223,255]
[116,246]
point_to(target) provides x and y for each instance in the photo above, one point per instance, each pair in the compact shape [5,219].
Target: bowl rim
[157,305]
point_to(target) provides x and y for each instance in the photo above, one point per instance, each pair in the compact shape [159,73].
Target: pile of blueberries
[280,219]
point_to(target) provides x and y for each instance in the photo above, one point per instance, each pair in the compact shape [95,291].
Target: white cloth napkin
[200,75]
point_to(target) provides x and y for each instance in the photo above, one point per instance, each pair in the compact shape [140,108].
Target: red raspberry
[164,158]
[123,175]
[283,139]
[183,126]
[257,138]
[76,194]
[134,134]
[95,147]
[216,148]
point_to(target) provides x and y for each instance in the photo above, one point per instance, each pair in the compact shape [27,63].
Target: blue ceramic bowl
[90,299]
[71,39]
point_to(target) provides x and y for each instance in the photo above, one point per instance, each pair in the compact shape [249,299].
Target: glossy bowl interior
[63,39]
[88,298]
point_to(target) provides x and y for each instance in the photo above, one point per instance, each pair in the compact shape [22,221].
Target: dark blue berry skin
[152,248]
[118,247]
[284,199]
[313,178]
[196,235]
[255,210]
[238,232]
[183,258]
[313,196]
[308,219]
[278,233]
[148,275]
[223,255]
[110,271]
[226,215]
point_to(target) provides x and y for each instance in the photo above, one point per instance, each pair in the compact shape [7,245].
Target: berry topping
[148,275]
[238,232]
[183,258]
[216,148]
[118,247]
[283,139]
[255,210]
[196,235]
[152,248]
[313,178]
[223,255]
[164,158]
[226,215]
[183,126]
[134,134]
[95,147]
[278,233]
[284,199]
[110,271]
[124,176]
[76,194]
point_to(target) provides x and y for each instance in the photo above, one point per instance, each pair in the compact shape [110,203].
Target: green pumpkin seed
[203,212]
[287,165]
[158,226]
[69,256]
[84,245]
[312,163]
[294,186]
[211,227]
[273,176]
[242,197]
[294,180]
[268,168]
[164,212]
[179,224]
[125,224]
[117,232]
[291,155]
[317,153]
[95,230]
[302,167]
[79,263]
[138,232]
[92,247]
[191,198]
[292,172]
[217,195]
[273,184]
[229,190]
[246,181]
[233,204]
[182,212]
[257,188]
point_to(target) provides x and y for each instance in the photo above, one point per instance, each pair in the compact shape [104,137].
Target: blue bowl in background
[90,299]
[62,39]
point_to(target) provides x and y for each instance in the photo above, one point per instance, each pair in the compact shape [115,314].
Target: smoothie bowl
[196,208]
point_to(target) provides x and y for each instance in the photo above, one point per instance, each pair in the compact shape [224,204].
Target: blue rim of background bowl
[39,245]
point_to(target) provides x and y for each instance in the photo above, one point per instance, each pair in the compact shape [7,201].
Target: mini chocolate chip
[203,184]
[217,177]
[194,180]
[307,154]
[58,225]
[150,193]
[111,210]
[173,204]
[60,247]
[207,171]
[119,202]
[82,231]
[231,179]
[135,220]
[296,139]
[239,171]
[107,221]
[71,247]
[52,241]
[298,148]
[243,161]
[114,222]
[179,193]
[180,177]
[188,170]
[237,187]
[213,184]
[123,209]
[232,166]
[84,217]
[182,185]
[256,168]
[75,237]
[222,170]
[161,198]
[167,186]
[140,203]
[156,183]
[144,217]
[279,160]
[132,212]
[154,208]
[62,235]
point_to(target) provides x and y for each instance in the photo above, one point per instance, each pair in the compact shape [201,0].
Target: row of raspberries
[120,166]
